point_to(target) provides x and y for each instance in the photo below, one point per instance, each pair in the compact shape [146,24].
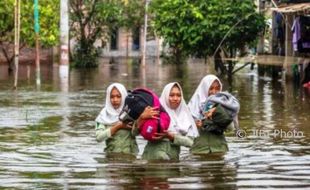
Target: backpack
[135,103]
[219,122]
[227,107]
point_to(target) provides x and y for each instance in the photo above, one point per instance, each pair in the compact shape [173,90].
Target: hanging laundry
[301,34]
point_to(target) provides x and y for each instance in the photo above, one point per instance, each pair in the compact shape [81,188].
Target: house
[291,35]
[129,43]
[284,15]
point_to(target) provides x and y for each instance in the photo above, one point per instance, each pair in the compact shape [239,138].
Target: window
[136,39]
[114,39]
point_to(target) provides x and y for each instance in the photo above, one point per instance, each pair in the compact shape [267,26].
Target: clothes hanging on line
[301,34]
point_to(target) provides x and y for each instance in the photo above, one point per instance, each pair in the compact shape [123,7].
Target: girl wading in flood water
[182,129]
[207,142]
[119,137]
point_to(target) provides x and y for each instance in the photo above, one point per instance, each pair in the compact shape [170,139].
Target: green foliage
[197,27]
[49,11]
[132,14]
[177,22]
[49,22]
[6,20]
[92,20]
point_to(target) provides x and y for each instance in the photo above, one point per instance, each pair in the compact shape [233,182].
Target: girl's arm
[183,140]
[176,139]
[119,125]
[102,132]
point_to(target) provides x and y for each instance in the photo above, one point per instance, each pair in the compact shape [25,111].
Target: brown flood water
[47,138]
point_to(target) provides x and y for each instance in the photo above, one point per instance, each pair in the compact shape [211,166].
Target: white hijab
[201,94]
[182,121]
[108,114]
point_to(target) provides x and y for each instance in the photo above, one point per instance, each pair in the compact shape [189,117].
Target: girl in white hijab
[182,129]
[117,135]
[181,120]
[207,142]
[201,94]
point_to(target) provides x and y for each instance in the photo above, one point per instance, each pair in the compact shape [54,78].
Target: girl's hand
[209,114]
[126,126]
[198,123]
[165,134]
[119,125]
[150,113]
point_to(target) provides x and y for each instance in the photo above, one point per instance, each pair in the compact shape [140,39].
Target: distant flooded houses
[291,36]
[291,27]
[286,41]
[129,43]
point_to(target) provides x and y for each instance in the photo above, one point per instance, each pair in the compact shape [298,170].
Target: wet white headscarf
[201,94]
[182,121]
[108,114]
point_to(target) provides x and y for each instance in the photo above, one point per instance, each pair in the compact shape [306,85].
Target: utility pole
[64,32]
[16,39]
[37,38]
[144,34]
[64,45]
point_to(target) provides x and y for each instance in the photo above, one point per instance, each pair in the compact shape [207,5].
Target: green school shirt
[209,142]
[123,141]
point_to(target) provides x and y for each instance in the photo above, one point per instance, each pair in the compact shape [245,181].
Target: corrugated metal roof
[292,8]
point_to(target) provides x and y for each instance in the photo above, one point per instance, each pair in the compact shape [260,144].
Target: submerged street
[47,134]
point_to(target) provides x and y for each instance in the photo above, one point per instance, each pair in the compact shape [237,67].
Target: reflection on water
[48,141]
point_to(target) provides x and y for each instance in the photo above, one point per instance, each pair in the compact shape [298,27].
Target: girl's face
[175,97]
[115,98]
[214,88]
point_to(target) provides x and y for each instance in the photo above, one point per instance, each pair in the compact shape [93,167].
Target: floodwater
[47,137]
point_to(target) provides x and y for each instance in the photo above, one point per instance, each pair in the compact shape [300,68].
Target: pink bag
[152,126]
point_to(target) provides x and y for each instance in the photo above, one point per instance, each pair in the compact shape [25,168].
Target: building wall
[125,44]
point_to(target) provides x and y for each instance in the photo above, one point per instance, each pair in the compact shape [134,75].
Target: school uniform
[207,142]
[182,125]
[123,141]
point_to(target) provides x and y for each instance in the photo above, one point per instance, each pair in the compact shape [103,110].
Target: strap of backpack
[161,109]
[158,125]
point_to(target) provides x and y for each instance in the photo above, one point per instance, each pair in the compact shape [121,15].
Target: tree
[6,28]
[178,23]
[197,27]
[133,17]
[92,20]
[49,24]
